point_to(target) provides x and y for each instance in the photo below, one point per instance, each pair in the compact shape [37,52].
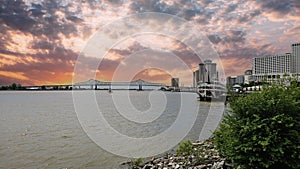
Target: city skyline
[270,67]
[40,40]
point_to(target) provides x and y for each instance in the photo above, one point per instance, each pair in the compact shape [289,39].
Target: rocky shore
[204,155]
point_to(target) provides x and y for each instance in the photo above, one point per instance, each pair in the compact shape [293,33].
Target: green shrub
[262,129]
[185,148]
[138,161]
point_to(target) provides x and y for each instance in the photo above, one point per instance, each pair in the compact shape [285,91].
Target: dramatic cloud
[41,39]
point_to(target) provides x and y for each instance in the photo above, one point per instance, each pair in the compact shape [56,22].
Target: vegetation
[138,161]
[262,130]
[13,86]
[198,153]
[185,148]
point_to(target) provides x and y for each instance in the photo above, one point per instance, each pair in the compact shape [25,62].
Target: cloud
[278,10]
[45,18]
[44,37]
[215,39]
[230,8]
[278,6]
[74,19]
[153,6]
[294,30]
[230,38]
[43,44]
[248,16]
[154,75]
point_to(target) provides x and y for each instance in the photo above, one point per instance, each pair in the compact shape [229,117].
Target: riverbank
[203,155]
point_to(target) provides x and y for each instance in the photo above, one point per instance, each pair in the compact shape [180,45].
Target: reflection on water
[41,129]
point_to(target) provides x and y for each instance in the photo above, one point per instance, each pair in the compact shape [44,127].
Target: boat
[211,91]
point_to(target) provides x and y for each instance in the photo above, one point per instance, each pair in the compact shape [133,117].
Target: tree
[13,86]
[262,130]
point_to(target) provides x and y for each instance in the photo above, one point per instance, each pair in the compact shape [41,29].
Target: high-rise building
[272,68]
[195,78]
[175,82]
[208,71]
[295,58]
[277,64]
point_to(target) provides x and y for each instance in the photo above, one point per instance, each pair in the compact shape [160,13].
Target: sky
[41,41]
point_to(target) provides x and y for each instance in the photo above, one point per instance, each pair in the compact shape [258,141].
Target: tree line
[13,86]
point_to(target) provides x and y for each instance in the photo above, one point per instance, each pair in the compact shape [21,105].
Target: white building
[248,76]
[271,68]
[278,64]
[275,67]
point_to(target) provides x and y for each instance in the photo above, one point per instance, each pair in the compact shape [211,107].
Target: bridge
[102,85]
[93,84]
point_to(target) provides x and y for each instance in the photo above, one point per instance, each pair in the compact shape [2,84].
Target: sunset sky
[41,40]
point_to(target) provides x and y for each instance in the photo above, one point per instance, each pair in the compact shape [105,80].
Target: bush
[262,129]
[185,148]
[138,161]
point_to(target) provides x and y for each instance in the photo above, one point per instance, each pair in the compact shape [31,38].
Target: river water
[40,129]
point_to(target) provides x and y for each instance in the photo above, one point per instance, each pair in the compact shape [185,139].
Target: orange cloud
[15,75]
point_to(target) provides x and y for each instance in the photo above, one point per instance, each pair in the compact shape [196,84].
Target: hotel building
[295,57]
[273,67]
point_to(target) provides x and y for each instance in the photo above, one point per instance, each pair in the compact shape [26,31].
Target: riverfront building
[241,79]
[175,82]
[248,76]
[275,67]
[195,78]
[207,73]
[295,57]
[278,64]
[270,68]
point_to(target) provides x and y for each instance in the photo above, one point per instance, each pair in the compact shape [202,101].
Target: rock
[159,165]
[215,157]
[201,166]
[156,161]
[205,156]
[218,165]
[148,166]
[172,165]
[214,165]
[221,164]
